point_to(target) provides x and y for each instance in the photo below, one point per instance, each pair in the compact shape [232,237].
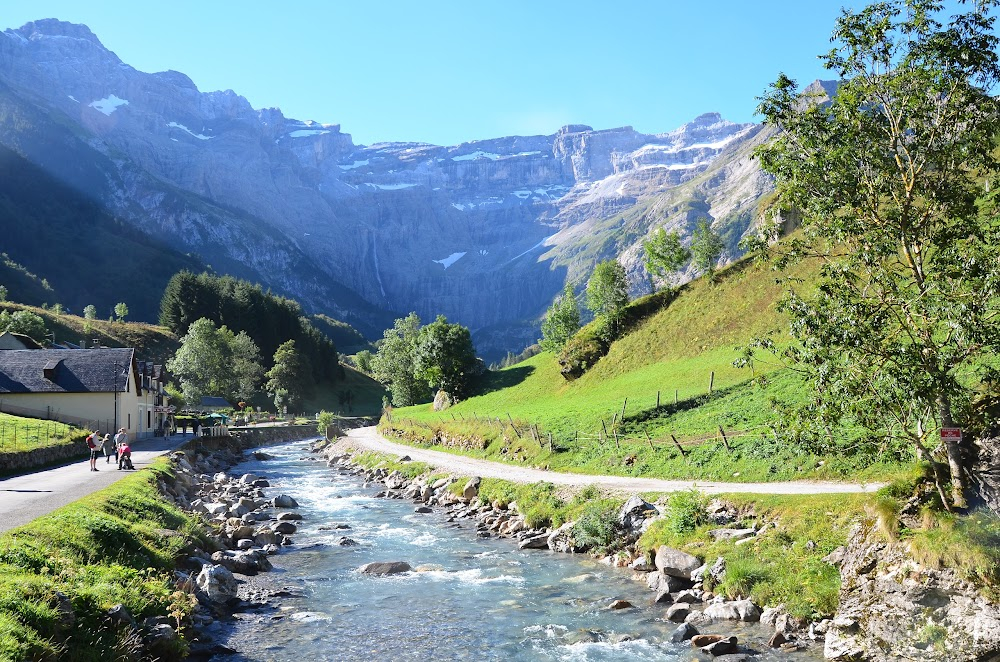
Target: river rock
[620,604]
[248,479]
[722,611]
[725,646]
[289,517]
[705,639]
[395,481]
[423,509]
[244,543]
[471,489]
[561,540]
[284,528]
[642,564]
[344,541]
[217,582]
[678,612]
[385,568]
[683,633]
[285,501]
[776,640]
[537,541]
[676,563]
[160,641]
[634,515]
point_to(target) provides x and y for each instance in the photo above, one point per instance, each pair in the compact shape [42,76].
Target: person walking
[120,440]
[93,444]
[108,448]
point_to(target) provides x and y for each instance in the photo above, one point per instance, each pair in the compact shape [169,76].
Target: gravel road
[369,438]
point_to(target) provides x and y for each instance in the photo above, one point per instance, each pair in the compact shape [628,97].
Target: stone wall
[39,457]
[243,438]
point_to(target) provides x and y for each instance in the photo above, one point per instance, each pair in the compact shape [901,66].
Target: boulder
[776,640]
[676,563]
[722,611]
[683,633]
[285,528]
[725,646]
[395,481]
[385,568]
[471,489]
[705,639]
[620,604]
[285,501]
[537,541]
[633,515]
[678,612]
[642,564]
[289,517]
[423,509]
[442,400]
[561,540]
[217,582]
[344,541]
[747,610]
[248,479]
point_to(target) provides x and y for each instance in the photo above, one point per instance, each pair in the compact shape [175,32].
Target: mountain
[485,232]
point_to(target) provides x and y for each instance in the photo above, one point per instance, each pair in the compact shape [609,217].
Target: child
[125,457]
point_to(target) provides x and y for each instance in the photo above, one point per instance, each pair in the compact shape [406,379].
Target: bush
[598,528]
[685,511]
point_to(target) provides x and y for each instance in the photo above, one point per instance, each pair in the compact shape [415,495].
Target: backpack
[90,441]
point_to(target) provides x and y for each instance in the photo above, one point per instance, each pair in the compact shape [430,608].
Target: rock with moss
[892,608]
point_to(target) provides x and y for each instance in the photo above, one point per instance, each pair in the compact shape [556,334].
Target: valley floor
[368,438]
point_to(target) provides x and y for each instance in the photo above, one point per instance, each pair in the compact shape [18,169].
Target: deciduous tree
[607,296]
[891,178]
[444,357]
[394,361]
[665,254]
[706,247]
[561,321]
[288,379]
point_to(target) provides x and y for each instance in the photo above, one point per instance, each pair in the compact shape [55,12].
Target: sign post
[951,435]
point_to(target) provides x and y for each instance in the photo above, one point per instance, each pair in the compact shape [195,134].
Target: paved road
[25,497]
[369,438]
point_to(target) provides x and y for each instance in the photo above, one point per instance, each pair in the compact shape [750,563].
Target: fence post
[649,440]
[725,440]
[678,445]
[623,408]
[605,428]
[657,399]
[675,397]
[711,382]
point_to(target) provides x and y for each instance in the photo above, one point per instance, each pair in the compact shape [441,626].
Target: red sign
[951,434]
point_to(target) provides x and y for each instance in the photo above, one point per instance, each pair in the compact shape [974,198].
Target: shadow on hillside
[495,381]
[666,410]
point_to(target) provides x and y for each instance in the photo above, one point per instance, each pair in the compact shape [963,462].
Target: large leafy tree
[889,176]
[24,322]
[394,361]
[445,357]
[665,254]
[607,296]
[216,362]
[562,320]
[288,379]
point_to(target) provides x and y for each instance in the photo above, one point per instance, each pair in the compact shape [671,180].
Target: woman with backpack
[93,443]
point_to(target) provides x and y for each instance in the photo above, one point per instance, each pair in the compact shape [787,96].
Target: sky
[451,72]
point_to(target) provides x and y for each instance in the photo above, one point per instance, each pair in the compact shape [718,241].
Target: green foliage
[90,312]
[216,362]
[324,421]
[121,311]
[444,356]
[685,511]
[3,293]
[597,527]
[706,247]
[393,363]
[363,361]
[24,322]
[19,434]
[562,320]
[893,178]
[665,254]
[288,379]
[269,320]
[607,296]
[112,547]
[968,543]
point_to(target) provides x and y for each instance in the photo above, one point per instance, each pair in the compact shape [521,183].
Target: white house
[103,388]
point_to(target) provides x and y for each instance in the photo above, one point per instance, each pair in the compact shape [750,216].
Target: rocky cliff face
[893,608]
[485,232]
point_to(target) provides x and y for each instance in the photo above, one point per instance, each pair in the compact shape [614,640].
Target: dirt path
[370,439]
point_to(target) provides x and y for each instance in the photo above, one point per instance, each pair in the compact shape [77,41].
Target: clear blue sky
[449,72]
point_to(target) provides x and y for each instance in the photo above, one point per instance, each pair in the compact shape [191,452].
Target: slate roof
[76,370]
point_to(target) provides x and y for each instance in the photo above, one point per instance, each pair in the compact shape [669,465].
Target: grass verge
[61,573]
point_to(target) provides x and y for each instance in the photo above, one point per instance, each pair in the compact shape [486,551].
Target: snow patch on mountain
[305,133]
[108,104]
[188,131]
[450,260]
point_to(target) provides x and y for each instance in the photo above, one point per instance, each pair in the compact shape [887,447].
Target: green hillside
[679,351]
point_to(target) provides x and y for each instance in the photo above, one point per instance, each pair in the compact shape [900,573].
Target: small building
[213,403]
[10,340]
[103,388]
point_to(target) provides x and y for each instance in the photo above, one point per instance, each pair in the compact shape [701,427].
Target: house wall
[135,413]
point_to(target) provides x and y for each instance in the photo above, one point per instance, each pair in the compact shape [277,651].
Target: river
[468,599]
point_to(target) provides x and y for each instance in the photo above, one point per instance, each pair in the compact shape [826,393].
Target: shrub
[685,511]
[598,527]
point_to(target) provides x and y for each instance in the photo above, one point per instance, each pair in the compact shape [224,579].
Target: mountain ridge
[485,232]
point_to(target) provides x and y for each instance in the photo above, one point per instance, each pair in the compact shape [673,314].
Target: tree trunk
[954,450]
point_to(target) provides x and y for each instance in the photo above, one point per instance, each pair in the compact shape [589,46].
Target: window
[149,418]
